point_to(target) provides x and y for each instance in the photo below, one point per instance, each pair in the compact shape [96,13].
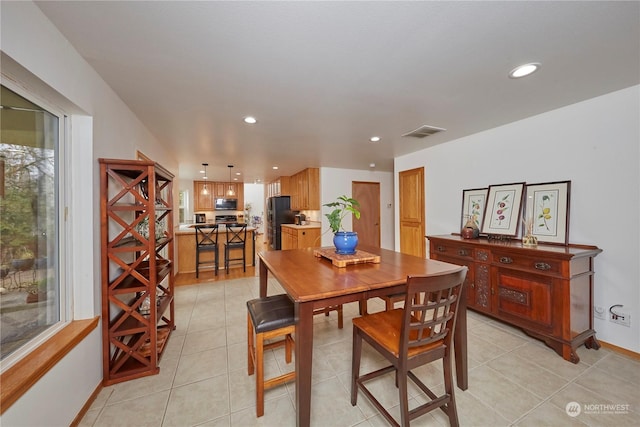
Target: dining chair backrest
[236,234]
[206,236]
[432,303]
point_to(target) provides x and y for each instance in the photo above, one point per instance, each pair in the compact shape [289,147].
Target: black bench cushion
[273,312]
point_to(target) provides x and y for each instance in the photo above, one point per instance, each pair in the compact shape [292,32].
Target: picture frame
[473,202]
[502,211]
[547,204]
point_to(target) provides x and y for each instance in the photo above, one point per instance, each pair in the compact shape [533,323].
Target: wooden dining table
[313,282]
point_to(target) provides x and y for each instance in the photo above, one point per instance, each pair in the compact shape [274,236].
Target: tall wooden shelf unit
[136,266]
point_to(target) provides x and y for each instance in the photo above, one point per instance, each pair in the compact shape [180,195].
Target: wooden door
[368,226]
[412,227]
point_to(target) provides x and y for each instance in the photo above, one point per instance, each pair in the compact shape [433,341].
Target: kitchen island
[295,236]
[186,248]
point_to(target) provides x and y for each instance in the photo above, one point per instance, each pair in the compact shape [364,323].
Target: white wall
[102,126]
[595,144]
[336,182]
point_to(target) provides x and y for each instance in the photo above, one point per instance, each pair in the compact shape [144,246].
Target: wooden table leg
[460,343]
[263,279]
[303,353]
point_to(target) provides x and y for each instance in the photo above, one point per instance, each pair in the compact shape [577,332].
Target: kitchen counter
[186,247]
[302,227]
[190,228]
[295,236]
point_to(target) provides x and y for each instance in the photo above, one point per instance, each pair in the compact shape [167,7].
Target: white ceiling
[323,77]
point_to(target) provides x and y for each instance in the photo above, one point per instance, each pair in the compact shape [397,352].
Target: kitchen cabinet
[305,190]
[137,264]
[203,195]
[279,187]
[205,201]
[547,290]
[299,236]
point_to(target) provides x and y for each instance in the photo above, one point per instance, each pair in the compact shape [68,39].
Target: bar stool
[236,239]
[206,241]
[268,318]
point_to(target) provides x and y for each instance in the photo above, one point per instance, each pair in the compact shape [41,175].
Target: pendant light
[230,192]
[205,191]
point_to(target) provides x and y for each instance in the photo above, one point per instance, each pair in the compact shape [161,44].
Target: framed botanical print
[502,211]
[473,203]
[547,206]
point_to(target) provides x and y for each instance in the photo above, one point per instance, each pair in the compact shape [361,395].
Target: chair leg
[251,351]
[288,348]
[226,259]
[259,375]
[340,317]
[355,365]
[215,264]
[244,260]
[197,263]
[451,411]
[401,382]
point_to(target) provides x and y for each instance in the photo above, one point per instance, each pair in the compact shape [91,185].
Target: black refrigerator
[278,213]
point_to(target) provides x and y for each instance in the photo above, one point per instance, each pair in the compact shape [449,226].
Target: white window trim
[65,291]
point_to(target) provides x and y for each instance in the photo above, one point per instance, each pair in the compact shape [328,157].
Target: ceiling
[324,77]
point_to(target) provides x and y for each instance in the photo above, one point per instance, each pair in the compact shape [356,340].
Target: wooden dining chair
[329,309]
[269,318]
[206,242]
[419,333]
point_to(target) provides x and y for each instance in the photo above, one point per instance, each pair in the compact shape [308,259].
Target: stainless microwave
[226,204]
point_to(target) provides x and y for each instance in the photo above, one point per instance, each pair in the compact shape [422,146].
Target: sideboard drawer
[539,265]
[453,251]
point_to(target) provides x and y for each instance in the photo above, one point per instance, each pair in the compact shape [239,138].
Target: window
[30,158]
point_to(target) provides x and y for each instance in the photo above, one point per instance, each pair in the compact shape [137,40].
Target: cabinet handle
[473,285]
[542,266]
[493,291]
[506,260]
[441,249]
[463,252]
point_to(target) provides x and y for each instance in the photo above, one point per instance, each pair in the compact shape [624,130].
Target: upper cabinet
[203,195]
[279,187]
[205,200]
[305,190]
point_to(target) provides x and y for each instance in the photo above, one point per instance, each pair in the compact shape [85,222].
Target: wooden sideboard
[547,291]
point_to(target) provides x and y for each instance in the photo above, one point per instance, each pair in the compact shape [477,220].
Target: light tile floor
[513,379]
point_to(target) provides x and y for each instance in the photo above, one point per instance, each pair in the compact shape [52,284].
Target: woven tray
[360,257]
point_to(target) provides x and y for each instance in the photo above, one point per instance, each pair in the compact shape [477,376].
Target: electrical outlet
[623,319]
[599,312]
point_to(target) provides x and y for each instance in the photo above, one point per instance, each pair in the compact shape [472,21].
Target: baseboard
[623,351]
[76,421]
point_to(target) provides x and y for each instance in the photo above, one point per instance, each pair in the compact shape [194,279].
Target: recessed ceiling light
[238,173]
[250,120]
[372,165]
[524,70]
[374,139]
[274,168]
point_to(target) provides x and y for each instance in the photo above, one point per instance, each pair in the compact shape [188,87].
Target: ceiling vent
[424,131]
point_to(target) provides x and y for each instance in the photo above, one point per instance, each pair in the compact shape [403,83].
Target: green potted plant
[344,241]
